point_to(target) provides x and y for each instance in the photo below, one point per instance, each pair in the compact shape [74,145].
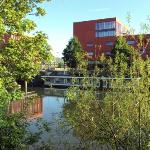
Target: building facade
[99,36]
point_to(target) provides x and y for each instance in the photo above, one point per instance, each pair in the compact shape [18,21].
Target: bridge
[68,81]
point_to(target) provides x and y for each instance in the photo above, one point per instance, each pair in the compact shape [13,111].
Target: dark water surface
[50,111]
[51,107]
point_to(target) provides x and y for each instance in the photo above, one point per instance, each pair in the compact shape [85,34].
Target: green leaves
[13,12]
[21,56]
[121,46]
[73,54]
[40,11]
[120,117]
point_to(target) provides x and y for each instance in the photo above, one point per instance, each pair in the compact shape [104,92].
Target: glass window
[97,26]
[90,53]
[109,25]
[131,42]
[101,34]
[96,34]
[89,45]
[105,25]
[105,33]
[109,43]
[107,53]
[114,24]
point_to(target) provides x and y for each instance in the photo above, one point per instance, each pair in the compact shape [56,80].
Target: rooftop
[113,18]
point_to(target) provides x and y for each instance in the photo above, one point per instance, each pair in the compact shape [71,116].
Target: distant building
[99,36]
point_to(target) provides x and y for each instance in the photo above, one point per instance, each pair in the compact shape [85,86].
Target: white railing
[97,82]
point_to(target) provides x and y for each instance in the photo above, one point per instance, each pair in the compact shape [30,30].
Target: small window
[109,43]
[131,42]
[108,53]
[90,53]
[89,45]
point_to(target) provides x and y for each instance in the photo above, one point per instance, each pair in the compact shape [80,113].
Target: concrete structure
[99,36]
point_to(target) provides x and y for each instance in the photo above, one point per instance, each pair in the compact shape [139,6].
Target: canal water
[48,112]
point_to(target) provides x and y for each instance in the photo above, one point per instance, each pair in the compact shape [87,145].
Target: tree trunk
[26,87]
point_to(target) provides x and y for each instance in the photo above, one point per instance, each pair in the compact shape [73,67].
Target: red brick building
[99,36]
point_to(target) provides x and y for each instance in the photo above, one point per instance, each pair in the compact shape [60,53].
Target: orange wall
[85,32]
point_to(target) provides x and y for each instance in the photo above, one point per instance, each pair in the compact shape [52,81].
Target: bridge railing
[97,82]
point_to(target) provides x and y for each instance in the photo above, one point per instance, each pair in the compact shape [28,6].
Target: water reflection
[54,92]
[34,108]
[60,135]
[51,107]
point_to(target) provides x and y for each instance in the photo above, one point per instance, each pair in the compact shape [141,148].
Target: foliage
[124,50]
[60,62]
[18,53]
[21,56]
[120,118]
[121,46]
[73,53]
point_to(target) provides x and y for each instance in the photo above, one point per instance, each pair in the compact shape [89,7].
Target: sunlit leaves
[120,118]
[40,11]
[21,56]
[24,57]
[13,11]
[73,54]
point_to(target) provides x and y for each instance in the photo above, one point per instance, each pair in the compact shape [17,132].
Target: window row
[105,25]
[109,43]
[91,53]
[105,33]
[89,45]
[131,42]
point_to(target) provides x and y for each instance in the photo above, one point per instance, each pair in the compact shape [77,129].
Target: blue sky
[58,22]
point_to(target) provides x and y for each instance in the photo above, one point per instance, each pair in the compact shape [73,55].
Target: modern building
[99,36]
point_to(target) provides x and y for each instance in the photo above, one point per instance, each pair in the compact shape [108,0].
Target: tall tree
[122,47]
[118,118]
[73,53]
[21,56]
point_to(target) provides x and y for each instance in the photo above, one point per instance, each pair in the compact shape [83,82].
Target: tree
[119,118]
[18,53]
[124,50]
[121,46]
[20,57]
[73,53]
